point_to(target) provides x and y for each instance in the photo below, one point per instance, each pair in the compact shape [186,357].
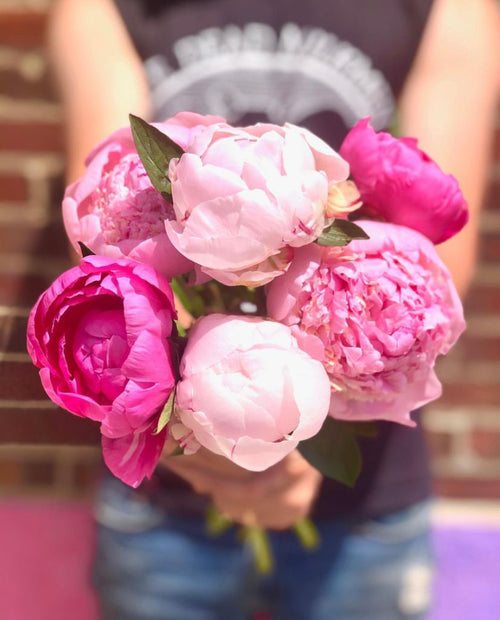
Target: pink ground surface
[45,555]
[46,550]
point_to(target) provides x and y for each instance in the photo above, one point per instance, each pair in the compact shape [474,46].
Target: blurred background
[49,460]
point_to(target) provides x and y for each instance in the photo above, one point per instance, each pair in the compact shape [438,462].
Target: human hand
[273,499]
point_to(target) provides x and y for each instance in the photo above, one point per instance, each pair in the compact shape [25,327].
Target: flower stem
[307,533]
[217,522]
[257,541]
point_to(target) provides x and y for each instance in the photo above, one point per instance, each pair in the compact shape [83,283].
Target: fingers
[169,448]
[276,498]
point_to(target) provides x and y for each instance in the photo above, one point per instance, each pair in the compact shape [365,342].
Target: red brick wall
[33,251]
[463,427]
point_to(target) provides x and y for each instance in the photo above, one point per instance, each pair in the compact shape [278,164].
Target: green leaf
[340,233]
[189,298]
[166,414]
[363,429]
[334,452]
[155,150]
[180,330]
[85,250]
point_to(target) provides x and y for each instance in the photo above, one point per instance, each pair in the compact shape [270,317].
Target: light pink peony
[100,336]
[115,211]
[402,184]
[247,391]
[243,197]
[377,313]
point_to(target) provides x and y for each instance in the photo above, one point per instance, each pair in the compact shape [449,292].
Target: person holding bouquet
[324,67]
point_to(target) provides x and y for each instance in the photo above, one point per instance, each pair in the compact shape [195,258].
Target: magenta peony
[247,391]
[401,184]
[100,336]
[115,211]
[377,313]
[243,197]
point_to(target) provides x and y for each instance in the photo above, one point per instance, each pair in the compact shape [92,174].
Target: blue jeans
[155,566]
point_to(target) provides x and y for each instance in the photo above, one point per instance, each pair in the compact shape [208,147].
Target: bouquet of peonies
[320,301]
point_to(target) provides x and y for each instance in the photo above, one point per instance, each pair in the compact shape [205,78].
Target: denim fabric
[155,566]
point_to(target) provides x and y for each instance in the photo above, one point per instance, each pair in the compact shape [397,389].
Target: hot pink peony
[115,211]
[243,197]
[100,336]
[247,391]
[377,312]
[402,184]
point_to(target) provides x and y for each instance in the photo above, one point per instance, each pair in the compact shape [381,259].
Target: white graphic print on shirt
[233,71]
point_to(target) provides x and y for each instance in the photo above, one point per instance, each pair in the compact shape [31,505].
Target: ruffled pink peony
[243,197]
[377,313]
[247,391]
[402,184]
[115,211]
[100,336]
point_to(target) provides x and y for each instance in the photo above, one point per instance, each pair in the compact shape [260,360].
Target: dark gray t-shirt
[322,64]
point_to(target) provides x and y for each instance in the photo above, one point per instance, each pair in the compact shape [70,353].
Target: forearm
[449,104]
[98,73]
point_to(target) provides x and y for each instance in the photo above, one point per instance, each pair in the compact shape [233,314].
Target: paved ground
[46,549]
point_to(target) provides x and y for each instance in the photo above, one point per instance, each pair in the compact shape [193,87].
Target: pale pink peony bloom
[377,313]
[244,197]
[402,184]
[247,391]
[113,208]
[100,336]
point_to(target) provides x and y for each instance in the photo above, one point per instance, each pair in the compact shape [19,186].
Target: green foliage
[85,250]
[155,150]
[334,451]
[166,414]
[340,233]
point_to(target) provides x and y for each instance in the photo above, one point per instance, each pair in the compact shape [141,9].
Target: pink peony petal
[245,384]
[227,233]
[100,336]
[133,457]
[402,184]
[377,313]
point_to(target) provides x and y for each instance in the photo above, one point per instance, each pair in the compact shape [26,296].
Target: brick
[47,426]
[86,475]
[489,247]
[440,444]
[13,188]
[481,349]
[40,473]
[484,299]
[5,331]
[13,334]
[22,29]
[49,241]
[20,381]
[478,488]
[56,187]
[486,443]
[492,195]
[22,291]
[11,473]
[470,394]
[31,136]
[17,86]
